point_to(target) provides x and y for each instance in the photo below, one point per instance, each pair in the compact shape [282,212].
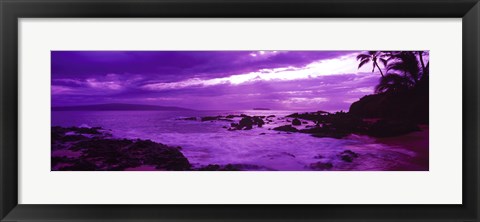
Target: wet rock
[248,122]
[309,116]
[232,167]
[321,166]
[71,138]
[216,167]
[349,152]
[322,132]
[318,156]
[348,156]
[85,130]
[62,131]
[296,122]
[105,153]
[257,120]
[245,122]
[286,128]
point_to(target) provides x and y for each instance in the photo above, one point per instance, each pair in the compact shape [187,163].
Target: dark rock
[318,156]
[389,128]
[210,118]
[308,116]
[210,167]
[85,130]
[56,160]
[70,138]
[104,153]
[296,122]
[348,156]
[245,122]
[411,105]
[286,128]
[232,167]
[322,132]
[321,166]
[262,134]
[257,120]
[188,118]
[216,167]
[248,122]
[80,165]
[349,152]
[271,116]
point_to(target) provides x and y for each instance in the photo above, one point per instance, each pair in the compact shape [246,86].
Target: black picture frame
[12,10]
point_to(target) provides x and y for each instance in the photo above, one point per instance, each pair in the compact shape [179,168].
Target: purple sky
[216,80]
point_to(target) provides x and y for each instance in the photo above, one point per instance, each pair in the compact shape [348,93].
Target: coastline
[316,125]
[417,142]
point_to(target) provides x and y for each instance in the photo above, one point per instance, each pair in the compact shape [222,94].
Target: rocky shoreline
[95,149]
[88,149]
[318,124]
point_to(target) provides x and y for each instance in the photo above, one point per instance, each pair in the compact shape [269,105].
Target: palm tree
[405,70]
[425,68]
[393,83]
[374,57]
[408,64]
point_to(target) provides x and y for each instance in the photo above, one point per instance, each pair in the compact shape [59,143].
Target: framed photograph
[225,110]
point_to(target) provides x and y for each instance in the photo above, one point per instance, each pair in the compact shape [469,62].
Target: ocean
[209,142]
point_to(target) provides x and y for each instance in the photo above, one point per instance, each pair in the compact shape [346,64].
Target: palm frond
[384,62]
[363,62]
[392,83]
[363,56]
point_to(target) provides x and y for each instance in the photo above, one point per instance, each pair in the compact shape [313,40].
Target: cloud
[300,80]
[335,66]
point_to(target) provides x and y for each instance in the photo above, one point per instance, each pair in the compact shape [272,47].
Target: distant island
[118,107]
[261,109]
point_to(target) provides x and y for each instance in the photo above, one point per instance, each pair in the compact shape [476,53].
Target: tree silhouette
[374,57]
[404,69]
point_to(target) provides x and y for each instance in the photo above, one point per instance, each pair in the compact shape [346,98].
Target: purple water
[207,142]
